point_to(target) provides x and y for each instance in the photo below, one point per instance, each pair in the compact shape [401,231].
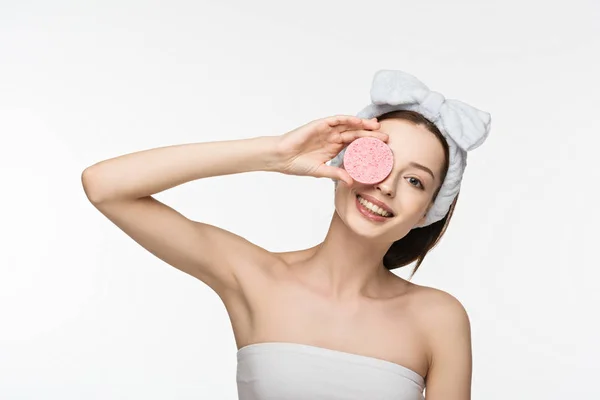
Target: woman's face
[407,191]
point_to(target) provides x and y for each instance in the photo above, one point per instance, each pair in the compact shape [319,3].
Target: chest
[379,329]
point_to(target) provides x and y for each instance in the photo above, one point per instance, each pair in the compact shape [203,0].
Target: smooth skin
[335,295]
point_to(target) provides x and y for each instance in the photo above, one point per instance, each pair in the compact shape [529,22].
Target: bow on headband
[466,125]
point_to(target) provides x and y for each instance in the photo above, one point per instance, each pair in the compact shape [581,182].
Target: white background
[86,313]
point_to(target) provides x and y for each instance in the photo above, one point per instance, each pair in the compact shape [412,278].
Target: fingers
[348,122]
[349,136]
[328,171]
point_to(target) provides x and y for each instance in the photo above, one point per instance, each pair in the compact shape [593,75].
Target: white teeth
[373,208]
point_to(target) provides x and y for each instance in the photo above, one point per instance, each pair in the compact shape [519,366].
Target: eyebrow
[421,167]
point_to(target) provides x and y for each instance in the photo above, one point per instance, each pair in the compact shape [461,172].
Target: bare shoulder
[435,303]
[438,311]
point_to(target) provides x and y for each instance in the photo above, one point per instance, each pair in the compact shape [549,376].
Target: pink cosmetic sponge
[368,160]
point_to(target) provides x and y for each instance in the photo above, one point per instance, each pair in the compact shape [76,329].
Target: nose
[389,184]
[386,187]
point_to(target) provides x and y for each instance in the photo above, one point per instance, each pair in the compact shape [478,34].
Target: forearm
[152,171]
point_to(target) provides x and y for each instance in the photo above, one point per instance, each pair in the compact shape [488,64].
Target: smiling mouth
[373,209]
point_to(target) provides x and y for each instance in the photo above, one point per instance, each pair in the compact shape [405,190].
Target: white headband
[464,127]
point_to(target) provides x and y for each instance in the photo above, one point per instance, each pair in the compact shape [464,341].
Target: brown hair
[417,243]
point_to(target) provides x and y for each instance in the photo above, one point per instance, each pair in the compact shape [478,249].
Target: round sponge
[368,160]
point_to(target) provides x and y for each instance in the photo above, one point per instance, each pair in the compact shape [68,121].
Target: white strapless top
[291,371]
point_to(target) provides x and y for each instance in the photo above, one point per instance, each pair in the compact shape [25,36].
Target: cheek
[341,196]
[412,201]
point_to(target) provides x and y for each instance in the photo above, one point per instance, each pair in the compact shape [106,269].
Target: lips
[377,203]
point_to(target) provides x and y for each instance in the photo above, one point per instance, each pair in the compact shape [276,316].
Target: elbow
[91,185]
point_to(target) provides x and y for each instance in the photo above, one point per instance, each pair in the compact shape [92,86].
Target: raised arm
[122,188]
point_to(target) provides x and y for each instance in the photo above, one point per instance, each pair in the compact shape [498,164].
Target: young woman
[331,321]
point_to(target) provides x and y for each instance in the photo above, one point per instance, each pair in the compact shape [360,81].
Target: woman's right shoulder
[260,263]
[272,267]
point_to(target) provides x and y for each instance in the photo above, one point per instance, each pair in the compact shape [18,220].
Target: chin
[364,226]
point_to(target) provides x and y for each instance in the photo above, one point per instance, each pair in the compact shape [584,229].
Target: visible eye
[419,183]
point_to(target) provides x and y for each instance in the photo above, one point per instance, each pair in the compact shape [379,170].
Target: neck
[347,265]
